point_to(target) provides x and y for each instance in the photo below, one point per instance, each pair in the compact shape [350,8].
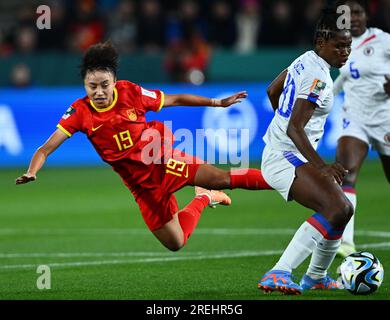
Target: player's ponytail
[101,56]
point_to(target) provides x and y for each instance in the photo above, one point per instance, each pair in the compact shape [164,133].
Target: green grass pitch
[85,225]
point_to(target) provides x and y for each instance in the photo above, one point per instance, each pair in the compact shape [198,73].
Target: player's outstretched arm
[275,89]
[194,100]
[40,155]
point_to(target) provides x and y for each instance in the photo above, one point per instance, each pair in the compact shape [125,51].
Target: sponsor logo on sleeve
[148,93]
[68,113]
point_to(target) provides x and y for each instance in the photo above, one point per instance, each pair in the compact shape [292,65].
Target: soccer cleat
[346,249]
[278,280]
[216,197]
[326,283]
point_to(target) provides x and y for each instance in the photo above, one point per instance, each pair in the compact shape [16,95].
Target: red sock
[189,216]
[251,179]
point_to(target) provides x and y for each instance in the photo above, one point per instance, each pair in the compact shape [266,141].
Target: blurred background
[223,40]
[207,47]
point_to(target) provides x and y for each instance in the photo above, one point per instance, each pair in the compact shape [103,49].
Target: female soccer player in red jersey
[112,115]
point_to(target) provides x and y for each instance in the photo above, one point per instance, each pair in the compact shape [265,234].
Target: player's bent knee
[175,247]
[342,213]
[170,239]
[173,244]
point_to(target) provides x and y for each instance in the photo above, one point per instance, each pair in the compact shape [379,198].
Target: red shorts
[158,204]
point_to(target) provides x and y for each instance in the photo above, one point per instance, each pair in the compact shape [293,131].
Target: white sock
[323,256]
[299,248]
[349,229]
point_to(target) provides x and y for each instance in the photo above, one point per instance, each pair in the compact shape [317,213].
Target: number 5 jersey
[363,76]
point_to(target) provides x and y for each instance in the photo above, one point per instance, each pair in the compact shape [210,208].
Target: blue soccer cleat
[278,280]
[326,283]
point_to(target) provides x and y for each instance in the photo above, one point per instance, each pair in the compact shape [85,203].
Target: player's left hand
[386,85]
[235,98]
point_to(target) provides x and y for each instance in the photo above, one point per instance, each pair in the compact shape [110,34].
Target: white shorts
[278,168]
[378,136]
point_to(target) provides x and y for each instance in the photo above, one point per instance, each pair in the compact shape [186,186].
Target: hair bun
[101,56]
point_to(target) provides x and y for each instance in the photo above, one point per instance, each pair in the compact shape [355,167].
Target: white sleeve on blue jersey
[312,86]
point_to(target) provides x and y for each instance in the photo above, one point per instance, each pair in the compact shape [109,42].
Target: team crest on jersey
[132,114]
[369,51]
[68,113]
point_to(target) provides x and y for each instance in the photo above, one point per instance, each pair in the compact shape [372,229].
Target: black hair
[362,3]
[327,26]
[100,56]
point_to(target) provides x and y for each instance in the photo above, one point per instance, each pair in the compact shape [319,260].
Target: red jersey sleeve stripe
[64,130]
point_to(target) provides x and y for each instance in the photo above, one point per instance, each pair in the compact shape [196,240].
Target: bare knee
[171,235]
[342,211]
[174,246]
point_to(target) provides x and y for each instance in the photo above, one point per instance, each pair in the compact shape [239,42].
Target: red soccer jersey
[115,132]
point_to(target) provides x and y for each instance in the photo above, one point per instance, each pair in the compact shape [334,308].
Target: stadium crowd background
[184,32]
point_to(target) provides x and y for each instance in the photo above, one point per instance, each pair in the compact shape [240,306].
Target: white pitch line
[99,231]
[374,245]
[368,233]
[148,260]
[188,256]
[141,253]
[101,254]
[142,232]
[80,254]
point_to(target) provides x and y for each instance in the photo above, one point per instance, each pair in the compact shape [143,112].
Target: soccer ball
[361,273]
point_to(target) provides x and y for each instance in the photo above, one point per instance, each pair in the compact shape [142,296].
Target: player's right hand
[235,98]
[335,170]
[25,178]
